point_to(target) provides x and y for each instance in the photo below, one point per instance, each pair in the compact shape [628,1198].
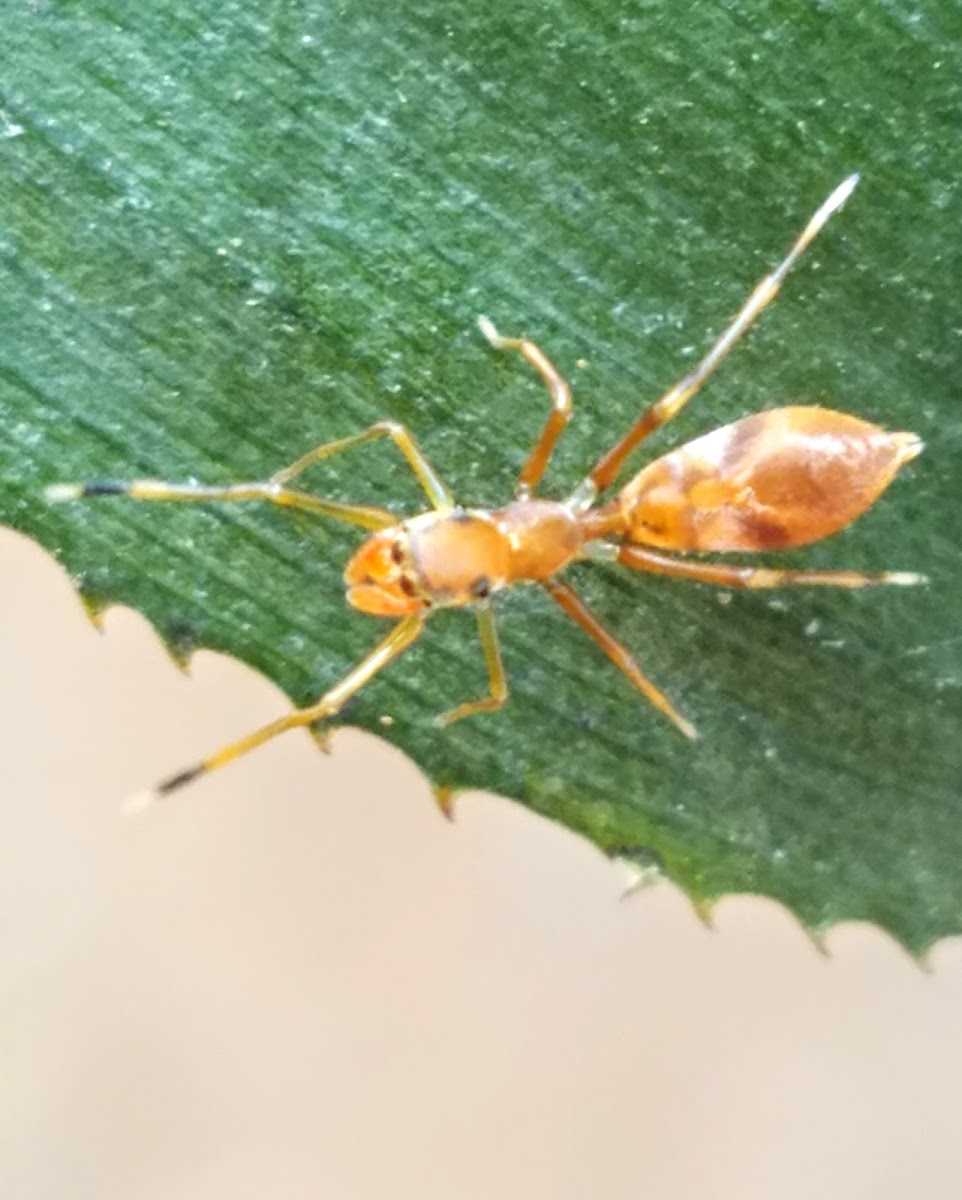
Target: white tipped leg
[834,202]
[59,493]
[533,470]
[903,578]
[734,575]
[486,325]
[609,465]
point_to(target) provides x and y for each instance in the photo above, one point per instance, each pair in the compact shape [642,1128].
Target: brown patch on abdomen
[771,481]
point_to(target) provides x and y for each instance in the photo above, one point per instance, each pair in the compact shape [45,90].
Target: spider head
[380,579]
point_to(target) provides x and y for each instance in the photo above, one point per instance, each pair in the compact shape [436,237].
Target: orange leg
[397,641]
[560,415]
[274,492]
[582,615]
[497,680]
[609,465]
[435,487]
[731,575]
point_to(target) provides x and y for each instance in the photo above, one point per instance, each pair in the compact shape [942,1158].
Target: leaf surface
[231,231]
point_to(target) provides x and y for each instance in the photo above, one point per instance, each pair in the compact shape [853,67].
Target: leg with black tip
[274,493]
[403,635]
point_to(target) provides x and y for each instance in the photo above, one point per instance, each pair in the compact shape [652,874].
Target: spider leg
[497,680]
[605,471]
[558,418]
[581,614]
[732,575]
[403,635]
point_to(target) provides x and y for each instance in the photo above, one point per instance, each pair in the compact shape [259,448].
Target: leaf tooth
[444,797]
[704,909]
[94,607]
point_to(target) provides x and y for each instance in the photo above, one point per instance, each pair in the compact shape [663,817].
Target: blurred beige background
[297,980]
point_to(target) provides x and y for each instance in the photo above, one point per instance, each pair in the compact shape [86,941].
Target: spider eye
[397,553]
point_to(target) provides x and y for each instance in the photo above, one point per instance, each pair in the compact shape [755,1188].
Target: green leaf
[231,231]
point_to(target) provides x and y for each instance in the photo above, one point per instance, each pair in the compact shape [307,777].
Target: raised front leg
[437,491]
[560,415]
[275,489]
[364,515]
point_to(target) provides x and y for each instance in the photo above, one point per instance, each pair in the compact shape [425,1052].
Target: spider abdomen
[770,481]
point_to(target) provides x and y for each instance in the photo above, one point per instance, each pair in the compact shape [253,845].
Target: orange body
[770,481]
[453,559]
[774,480]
